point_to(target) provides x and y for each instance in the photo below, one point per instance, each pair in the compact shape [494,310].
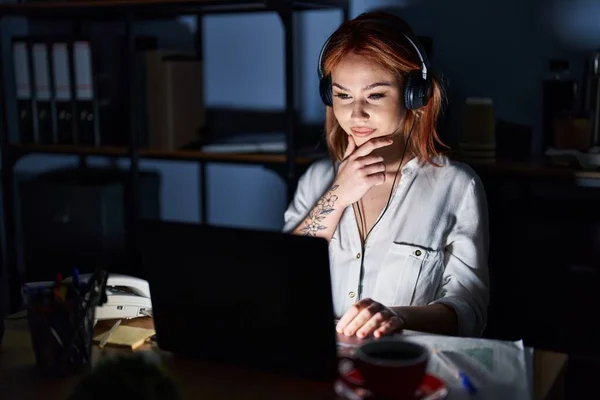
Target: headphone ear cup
[325,91]
[416,91]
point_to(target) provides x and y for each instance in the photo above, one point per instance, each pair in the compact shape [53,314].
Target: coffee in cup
[391,368]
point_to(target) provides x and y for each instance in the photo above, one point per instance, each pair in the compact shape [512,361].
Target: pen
[56,336]
[76,288]
[459,375]
[110,332]
[76,278]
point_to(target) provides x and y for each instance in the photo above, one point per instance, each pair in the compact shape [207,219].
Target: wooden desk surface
[20,380]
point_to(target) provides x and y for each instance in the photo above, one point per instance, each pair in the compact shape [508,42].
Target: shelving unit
[269,159]
[129,11]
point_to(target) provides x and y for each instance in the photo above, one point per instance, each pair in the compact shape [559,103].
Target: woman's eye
[376,96]
[342,96]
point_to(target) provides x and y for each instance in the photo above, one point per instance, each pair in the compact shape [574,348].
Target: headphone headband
[414,43]
[417,85]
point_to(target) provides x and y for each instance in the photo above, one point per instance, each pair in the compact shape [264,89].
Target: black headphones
[417,87]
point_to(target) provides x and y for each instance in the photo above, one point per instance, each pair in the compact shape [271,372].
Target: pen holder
[62,329]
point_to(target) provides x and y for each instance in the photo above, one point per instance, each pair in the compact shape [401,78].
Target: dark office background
[495,49]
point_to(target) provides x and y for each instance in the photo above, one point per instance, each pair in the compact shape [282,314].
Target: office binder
[174,101]
[23,90]
[64,103]
[86,103]
[43,96]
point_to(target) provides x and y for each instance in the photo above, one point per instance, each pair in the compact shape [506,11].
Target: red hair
[385,45]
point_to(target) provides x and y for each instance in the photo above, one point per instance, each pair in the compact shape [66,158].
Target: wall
[496,49]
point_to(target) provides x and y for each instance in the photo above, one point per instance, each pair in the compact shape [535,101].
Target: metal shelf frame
[130,11]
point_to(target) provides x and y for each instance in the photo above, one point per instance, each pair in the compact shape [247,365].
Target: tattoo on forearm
[314,221]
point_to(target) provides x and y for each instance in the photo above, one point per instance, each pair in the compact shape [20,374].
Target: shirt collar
[411,166]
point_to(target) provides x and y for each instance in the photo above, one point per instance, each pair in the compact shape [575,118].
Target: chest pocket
[410,275]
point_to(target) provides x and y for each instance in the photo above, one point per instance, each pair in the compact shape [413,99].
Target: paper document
[498,369]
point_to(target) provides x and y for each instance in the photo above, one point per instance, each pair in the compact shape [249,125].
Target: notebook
[127,337]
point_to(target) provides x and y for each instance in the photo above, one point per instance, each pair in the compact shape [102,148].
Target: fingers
[351,314]
[371,145]
[369,317]
[363,318]
[375,174]
[374,323]
[392,325]
[368,160]
[362,313]
[351,146]
[374,168]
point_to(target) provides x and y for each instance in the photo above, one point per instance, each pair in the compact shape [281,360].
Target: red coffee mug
[389,368]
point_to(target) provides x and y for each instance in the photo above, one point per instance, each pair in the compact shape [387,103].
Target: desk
[197,380]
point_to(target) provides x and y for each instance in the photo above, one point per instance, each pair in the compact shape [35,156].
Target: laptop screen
[251,298]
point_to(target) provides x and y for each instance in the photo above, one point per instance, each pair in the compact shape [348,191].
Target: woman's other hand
[368,317]
[359,171]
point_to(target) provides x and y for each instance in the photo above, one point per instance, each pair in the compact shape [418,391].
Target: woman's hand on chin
[368,317]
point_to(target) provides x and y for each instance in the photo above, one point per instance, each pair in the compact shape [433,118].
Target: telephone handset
[136,286]
[126,297]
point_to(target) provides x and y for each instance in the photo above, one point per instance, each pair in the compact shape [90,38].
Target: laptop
[252,298]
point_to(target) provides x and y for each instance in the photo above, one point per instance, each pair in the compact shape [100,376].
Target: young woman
[407,227]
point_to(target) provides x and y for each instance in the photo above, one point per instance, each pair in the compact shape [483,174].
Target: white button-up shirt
[430,246]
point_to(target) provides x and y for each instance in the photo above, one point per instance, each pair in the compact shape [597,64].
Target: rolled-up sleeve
[311,186]
[298,208]
[465,282]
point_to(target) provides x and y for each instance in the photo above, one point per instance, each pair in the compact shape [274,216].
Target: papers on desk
[498,369]
[125,336]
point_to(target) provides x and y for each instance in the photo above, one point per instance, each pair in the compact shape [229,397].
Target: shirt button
[351,295]
[417,253]
[357,256]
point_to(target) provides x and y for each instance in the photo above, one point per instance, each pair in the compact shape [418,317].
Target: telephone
[126,297]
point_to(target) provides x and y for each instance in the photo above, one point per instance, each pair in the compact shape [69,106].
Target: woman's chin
[360,140]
